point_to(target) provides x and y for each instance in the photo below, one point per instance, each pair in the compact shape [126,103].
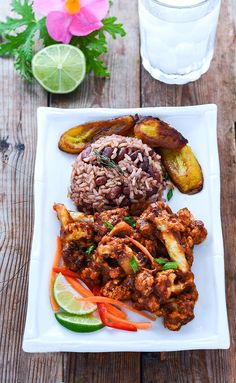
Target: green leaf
[11,24]
[92,46]
[169,265]
[110,26]
[22,65]
[169,194]
[12,42]
[20,44]
[130,220]
[7,49]
[27,47]
[160,261]
[91,249]
[134,264]
[23,8]
[108,225]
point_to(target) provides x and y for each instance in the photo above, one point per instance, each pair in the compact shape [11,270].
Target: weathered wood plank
[121,90]
[17,154]
[217,86]
[100,368]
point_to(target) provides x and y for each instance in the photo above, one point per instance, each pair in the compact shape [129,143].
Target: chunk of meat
[73,256]
[81,231]
[193,228]
[144,282]
[118,290]
[146,228]
[164,282]
[177,313]
[114,252]
[194,233]
[173,282]
[91,272]
[167,224]
[150,303]
[111,216]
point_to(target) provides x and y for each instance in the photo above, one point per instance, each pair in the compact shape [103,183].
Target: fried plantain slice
[75,139]
[183,169]
[158,134]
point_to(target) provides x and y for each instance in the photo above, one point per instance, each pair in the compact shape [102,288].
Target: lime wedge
[67,298]
[87,323]
[59,68]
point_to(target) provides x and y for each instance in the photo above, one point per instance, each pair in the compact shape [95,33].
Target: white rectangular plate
[209,329]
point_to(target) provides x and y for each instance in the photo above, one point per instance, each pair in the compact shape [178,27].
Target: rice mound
[134,178]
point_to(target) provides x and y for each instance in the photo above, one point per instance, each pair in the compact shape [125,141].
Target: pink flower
[66,18]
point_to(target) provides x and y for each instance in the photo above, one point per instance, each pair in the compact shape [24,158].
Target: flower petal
[58,24]
[46,6]
[97,8]
[81,26]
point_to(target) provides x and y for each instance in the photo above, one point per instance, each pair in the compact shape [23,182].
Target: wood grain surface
[129,86]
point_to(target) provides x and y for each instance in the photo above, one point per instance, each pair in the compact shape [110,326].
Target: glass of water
[177,38]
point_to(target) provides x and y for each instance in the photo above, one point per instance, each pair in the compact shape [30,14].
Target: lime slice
[67,298]
[59,68]
[87,323]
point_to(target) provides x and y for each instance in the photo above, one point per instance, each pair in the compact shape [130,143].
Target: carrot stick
[87,293]
[78,287]
[142,248]
[57,256]
[56,261]
[139,325]
[116,312]
[98,299]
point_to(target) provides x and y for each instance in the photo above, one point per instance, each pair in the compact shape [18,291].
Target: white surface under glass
[209,329]
[177,38]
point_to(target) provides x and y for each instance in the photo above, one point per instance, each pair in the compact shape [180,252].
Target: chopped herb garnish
[169,194]
[134,264]
[108,225]
[91,249]
[160,261]
[169,265]
[107,162]
[130,220]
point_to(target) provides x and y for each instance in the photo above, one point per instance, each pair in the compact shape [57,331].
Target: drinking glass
[177,38]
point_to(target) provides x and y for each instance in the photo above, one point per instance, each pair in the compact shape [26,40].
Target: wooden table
[129,86]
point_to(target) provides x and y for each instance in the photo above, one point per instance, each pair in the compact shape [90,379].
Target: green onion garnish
[108,225]
[134,264]
[130,220]
[166,175]
[91,248]
[169,194]
[169,265]
[160,261]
